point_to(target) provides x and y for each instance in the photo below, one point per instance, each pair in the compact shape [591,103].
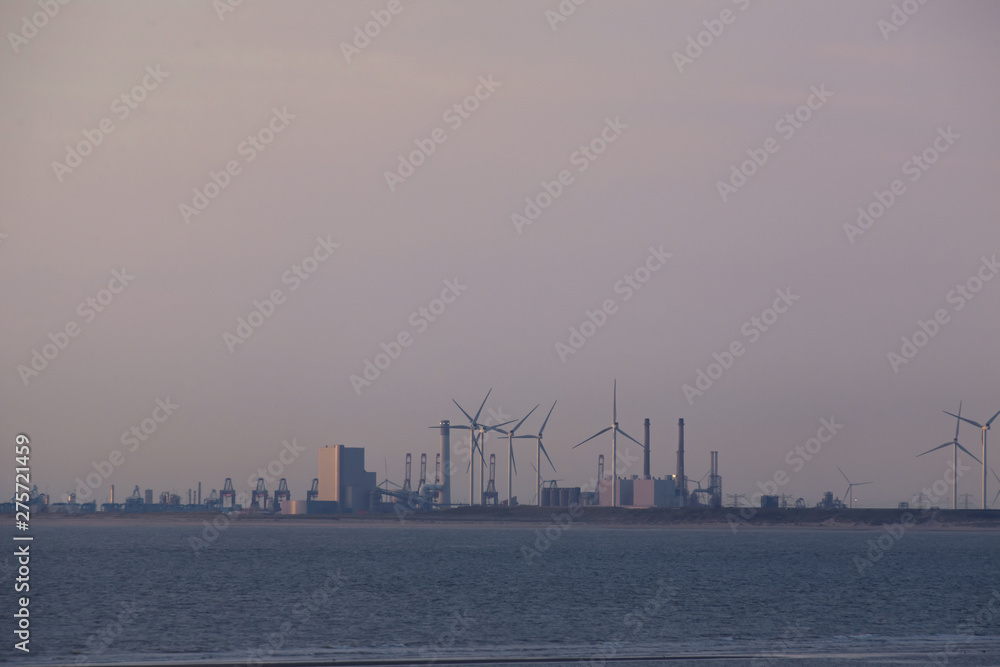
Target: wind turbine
[850,488]
[998,490]
[955,447]
[471,428]
[615,430]
[510,452]
[985,427]
[539,450]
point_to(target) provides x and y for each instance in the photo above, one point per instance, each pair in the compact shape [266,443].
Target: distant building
[641,492]
[344,480]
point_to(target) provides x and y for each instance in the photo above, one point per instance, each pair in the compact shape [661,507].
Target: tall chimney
[445,497]
[199,493]
[645,452]
[681,480]
[112,494]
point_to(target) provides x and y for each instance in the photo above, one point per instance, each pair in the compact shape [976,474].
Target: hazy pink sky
[605,80]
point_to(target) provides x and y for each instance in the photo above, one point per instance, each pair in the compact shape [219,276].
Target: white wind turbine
[510,452]
[539,450]
[984,427]
[955,447]
[615,430]
[850,488]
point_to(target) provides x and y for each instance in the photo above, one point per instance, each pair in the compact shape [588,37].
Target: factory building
[639,492]
[344,480]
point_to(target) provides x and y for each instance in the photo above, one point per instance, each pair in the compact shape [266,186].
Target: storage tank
[546,497]
[564,497]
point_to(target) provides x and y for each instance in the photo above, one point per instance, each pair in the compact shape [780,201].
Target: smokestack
[112,494]
[446,462]
[681,480]
[199,493]
[645,453]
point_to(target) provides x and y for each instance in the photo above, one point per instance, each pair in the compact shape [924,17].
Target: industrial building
[344,480]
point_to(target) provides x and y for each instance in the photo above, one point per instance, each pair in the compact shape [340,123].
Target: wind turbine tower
[984,427]
[615,430]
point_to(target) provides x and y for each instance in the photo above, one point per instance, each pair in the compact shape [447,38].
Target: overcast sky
[650,133]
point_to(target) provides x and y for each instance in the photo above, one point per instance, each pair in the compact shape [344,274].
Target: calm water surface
[272,593]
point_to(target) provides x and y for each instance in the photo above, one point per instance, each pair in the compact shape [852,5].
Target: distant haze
[618,195]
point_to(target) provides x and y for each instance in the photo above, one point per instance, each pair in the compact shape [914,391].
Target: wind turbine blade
[947,444]
[547,418]
[601,432]
[497,427]
[860,483]
[992,418]
[614,404]
[842,473]
[994,475]
[970,454]
[467,415]
[550,460]
[484,403]
[958,422]
[631,438]
[513,462]
[525,417]
[968,421]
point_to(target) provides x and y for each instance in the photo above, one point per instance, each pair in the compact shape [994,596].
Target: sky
[775,220]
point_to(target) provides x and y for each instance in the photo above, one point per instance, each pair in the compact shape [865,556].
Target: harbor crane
[228,492]
[406,481]
[490,495]
[281,494]
[258,497]
[313,492]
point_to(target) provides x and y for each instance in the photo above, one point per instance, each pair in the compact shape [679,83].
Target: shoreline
[727,518]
